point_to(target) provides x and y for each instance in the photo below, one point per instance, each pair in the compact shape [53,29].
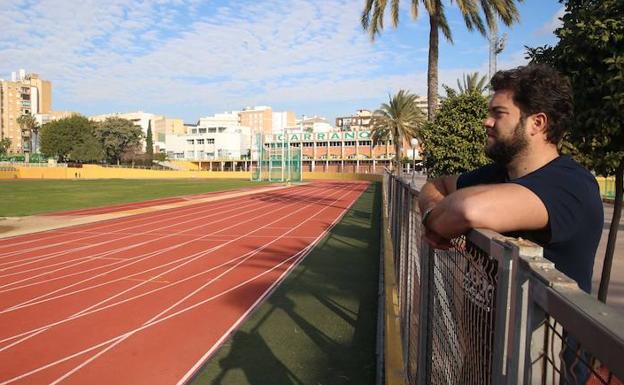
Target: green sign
[319,137]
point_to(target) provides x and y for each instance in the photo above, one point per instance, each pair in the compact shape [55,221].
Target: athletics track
[146,299]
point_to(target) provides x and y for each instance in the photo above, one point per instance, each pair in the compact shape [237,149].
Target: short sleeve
[488,174]
[563,198]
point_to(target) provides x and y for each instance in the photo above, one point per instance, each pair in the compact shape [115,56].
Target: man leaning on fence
[530,190]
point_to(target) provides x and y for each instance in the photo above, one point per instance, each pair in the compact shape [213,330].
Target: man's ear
[539,123]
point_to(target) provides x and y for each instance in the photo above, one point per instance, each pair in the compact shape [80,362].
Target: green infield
[319,325]
[29,197]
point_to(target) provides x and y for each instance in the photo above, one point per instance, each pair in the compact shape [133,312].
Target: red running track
[147,299]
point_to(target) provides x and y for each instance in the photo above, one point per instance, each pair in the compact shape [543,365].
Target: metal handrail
[492,310]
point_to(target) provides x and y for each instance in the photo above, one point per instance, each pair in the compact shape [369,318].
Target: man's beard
[503,152]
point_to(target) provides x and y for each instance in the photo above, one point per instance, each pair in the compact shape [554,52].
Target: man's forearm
[431,194]
[454,215]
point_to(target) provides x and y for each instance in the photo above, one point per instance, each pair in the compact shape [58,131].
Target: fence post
[427,261]
[523,316]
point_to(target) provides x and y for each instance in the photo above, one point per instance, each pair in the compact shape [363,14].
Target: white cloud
[183,53]
[552,24]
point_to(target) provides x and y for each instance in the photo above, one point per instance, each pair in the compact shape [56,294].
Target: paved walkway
[615,295]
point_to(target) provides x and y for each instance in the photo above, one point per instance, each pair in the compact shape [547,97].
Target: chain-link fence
[490,310]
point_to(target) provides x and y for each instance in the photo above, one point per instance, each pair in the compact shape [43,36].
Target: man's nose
[488,122]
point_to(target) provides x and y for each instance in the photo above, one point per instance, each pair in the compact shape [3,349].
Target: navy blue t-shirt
[575,215]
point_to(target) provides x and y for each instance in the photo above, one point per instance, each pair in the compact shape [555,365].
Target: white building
[313,124]
[139,118]
[217,137]
[226,119]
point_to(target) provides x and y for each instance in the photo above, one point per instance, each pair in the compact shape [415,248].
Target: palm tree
[372,21]
[398,120]
[472,83]
[29,126]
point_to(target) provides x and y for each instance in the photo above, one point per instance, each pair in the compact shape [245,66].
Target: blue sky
[193,58]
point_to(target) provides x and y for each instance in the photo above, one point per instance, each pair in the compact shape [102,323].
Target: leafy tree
[590,52]
[454,142]
[67,139]
[373,15]
[399,120]
[5,144]
[88,149]
[29,126]
[149,145]
[472,83]
[117,137]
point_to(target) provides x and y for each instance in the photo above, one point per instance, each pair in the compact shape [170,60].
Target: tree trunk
[613,230]
[397,157]
[432,69]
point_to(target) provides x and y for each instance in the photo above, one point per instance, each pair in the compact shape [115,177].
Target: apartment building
[359,121]
[262,119]
[282,121]
[259,119]
[25,93]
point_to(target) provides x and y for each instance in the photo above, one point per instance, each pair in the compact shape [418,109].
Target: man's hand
[436,241]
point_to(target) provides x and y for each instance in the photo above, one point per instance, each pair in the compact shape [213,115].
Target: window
[321,144]
[189,141]
[202,130]
[194,131]
[365,142]
[349,143]
[200,141]
[210,140]
[212,129]
[190,154]
[308,144]
[334,144]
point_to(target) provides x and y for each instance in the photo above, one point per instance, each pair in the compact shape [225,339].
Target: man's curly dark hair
[539,88]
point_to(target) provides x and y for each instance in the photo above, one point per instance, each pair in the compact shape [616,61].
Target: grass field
[29,197]
[319,326]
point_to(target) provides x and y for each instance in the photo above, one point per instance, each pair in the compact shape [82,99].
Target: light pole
[496,46]
[414,144]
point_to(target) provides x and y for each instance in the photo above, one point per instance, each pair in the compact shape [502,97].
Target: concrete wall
[97,172]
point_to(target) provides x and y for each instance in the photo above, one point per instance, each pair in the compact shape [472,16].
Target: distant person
[531,190]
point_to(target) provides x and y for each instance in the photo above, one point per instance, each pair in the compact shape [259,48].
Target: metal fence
[490,310]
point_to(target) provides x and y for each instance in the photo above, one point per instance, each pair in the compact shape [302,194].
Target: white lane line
[45,236]
[133,260]
[157,319]
[89,258]
[155,224]
[155,322]
[194,256]
[50,234]
[264,295]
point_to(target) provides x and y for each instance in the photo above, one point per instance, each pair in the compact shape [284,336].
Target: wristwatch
[426,215]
